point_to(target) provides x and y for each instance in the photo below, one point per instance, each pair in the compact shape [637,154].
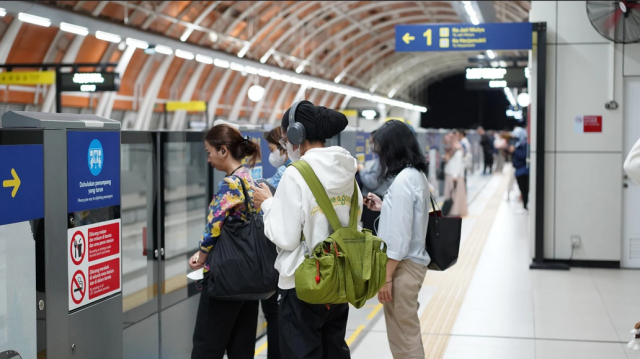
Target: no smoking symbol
[78,287]
[78,248]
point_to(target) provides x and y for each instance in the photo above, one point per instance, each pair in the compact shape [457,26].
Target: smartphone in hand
[271,188]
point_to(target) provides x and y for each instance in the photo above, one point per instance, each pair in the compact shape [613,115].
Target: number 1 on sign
[427,34]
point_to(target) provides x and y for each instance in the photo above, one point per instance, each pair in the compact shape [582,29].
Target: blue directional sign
[22,177]
[464,37]
[93,170]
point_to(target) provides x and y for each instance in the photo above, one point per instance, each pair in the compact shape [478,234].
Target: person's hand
[360,166]
[198,260]
[373,202]
[512,149]
[260,194]
[385,295]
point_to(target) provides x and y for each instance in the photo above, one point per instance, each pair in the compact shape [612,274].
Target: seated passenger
[309,330]
[403,226]
[225,326]
[278,157]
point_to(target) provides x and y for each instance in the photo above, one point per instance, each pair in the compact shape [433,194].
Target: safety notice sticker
[94,262]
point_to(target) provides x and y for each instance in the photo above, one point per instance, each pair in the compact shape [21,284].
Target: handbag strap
[322,198]
[434,205]
[248,205]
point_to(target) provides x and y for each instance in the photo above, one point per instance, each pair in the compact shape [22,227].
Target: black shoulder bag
[443,239]
[241,263]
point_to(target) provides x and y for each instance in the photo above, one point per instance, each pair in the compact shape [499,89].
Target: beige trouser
[401,314]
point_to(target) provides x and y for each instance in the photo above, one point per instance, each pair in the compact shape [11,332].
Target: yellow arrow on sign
[408,38]
[15,183]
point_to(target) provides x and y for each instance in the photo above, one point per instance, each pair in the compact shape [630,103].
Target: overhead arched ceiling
[350,42]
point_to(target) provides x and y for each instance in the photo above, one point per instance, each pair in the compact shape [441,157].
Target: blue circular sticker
[96,157]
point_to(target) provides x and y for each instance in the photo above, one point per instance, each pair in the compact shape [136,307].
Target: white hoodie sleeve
[632,163]
[283,214]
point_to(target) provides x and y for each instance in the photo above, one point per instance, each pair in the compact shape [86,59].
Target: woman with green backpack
[296,223]
[403,226]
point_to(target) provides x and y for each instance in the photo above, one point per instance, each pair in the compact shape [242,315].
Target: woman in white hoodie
[309,330]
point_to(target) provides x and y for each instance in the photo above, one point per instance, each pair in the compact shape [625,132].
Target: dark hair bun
[319,122]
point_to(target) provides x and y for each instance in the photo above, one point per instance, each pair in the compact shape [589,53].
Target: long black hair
[398,148]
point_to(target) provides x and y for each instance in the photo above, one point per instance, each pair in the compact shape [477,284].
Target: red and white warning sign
[94,262]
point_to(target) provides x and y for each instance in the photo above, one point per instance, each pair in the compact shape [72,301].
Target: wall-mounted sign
[587,124]
[495,78]
[464,37]
[28,78]
[186,105]
[90,81]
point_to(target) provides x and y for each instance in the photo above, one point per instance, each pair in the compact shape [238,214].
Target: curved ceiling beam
[334,101]
[69,57]
[212,107]
[203,15]
[242,16]
[287,12]
[107,99]
[8,38]
[180,116]
[276,107]
[324,99]
[240,99]
[143,118]
[287,34]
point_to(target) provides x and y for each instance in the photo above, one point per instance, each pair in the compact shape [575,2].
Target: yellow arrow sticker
[407,38]
[15,183]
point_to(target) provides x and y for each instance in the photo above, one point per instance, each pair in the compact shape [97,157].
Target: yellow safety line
[442,311]
[355,334]
[374,311]
[261,349]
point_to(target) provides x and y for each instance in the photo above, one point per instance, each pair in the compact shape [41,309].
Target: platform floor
[490,305]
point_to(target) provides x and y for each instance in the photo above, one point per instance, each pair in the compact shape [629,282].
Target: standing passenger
[403,226]
[278,157]
[487,149]
[519,160]
[454,184]
[308,331]
[222,325]
[370,176]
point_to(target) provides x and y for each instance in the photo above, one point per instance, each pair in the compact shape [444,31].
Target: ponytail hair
[239,147]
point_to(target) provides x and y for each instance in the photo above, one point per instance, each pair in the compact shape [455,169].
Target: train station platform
[491,305]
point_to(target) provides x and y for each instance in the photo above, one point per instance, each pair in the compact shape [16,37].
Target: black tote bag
[443,239]
[241,265]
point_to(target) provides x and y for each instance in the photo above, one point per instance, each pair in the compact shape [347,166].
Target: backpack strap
[318,192]
[353,216]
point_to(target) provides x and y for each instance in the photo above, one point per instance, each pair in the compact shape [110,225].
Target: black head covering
[319,122]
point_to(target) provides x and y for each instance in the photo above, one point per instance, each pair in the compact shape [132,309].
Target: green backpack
[348,267]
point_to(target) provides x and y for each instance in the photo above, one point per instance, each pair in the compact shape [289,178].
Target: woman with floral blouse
[225,326]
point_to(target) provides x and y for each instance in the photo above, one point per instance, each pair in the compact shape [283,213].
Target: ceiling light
[251,70]
[221,63]
[3,12]
[185,54]
[527,72]
[74,29]
[494,63]
[256,93]
[502,63]
[186,34]
[213,36]
[264,73]
[392,93]
[339,78]
[164,50]
[274,75]
[300,68]
[105,36]
[122,46]
[523,99]
[244,50]
[204,59]
[491,54]
[237,67]
[497,83]
[137,43]
[369,114]
[266,56]
[474,19]
[32,19]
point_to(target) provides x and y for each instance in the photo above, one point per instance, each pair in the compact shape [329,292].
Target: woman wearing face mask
[403,226]
[454,185]
[309,331]
[278,157]
[225,326]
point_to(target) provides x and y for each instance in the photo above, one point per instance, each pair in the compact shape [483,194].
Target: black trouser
[270,310]
[312,331]
[488,162]
[523,184]
[225,326]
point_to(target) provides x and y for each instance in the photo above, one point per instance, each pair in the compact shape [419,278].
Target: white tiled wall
[574,25]
[588,196]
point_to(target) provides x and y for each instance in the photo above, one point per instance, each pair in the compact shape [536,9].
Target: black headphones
[296,133]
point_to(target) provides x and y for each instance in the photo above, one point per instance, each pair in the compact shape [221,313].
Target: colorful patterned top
[228,202]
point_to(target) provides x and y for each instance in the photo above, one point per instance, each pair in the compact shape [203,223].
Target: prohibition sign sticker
[78,248]
[78,287]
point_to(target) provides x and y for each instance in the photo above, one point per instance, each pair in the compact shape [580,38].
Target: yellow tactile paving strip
[442,311]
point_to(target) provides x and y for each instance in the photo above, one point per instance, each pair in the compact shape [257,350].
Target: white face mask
[294,156]
[276,159]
